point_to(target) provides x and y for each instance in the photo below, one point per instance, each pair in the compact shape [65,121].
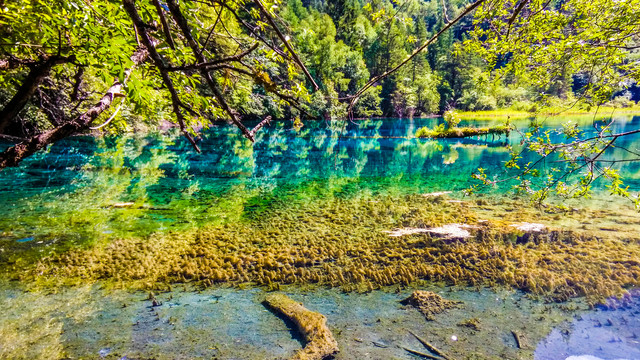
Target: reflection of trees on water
[333,152]
[161,171]
[114,171]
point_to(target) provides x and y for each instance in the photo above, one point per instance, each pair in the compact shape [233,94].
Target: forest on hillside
[449,74]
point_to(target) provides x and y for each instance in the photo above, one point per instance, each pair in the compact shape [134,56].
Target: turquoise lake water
[178,187]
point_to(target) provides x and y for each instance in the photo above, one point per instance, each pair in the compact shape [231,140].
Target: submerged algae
[342,242]
[429,303]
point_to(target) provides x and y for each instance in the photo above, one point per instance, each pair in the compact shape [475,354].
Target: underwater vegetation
[309,214]
[341,242]
[429,303]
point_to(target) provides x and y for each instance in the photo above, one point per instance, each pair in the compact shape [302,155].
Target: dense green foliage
[342,43]
[577,47]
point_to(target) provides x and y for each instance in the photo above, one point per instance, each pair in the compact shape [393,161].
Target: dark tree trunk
[51,102]
[75,95]
[15,154]
[12,63]
[37,74]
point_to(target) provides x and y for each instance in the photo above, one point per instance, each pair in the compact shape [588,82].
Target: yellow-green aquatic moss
[341,242]
[312,325]
[429,303]
[37,333]
[472,323]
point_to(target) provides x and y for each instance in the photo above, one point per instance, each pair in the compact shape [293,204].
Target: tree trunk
[51,102]
[15,154]
[37,74]
[150,44]
[174,9]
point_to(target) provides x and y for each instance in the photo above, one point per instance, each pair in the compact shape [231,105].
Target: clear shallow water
[88,322]
[611,332]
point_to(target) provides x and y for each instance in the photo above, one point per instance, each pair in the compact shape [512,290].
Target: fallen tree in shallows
[312,325]
[463,132]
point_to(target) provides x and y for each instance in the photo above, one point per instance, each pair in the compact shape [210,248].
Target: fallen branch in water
[421,354]
[431,348]
[519,339]
[313,326]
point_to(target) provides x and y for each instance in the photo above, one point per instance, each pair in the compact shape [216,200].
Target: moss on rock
[312,325]
[429,303]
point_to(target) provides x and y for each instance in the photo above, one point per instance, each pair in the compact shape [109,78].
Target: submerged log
[312,325]
[520,342]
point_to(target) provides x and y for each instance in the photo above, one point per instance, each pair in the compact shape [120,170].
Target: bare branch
[377,78]
[142,29]
[51,102]
[113,116]
[253,30]
[260,125]
[286,43]
[14,63]
[229,34]
[186,31]
[213,28]
[14,139]
[165,25]
[232,68]
[515,14]
[77,83]
[444,11]
[212,64]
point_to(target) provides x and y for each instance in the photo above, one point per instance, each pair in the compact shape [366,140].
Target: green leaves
[451,118]
[549,42]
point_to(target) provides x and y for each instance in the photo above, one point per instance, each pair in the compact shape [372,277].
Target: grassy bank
[555,111]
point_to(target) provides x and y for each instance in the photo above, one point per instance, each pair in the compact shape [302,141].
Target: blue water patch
[80,179]
[104,352]
[611,332]
[24,240]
